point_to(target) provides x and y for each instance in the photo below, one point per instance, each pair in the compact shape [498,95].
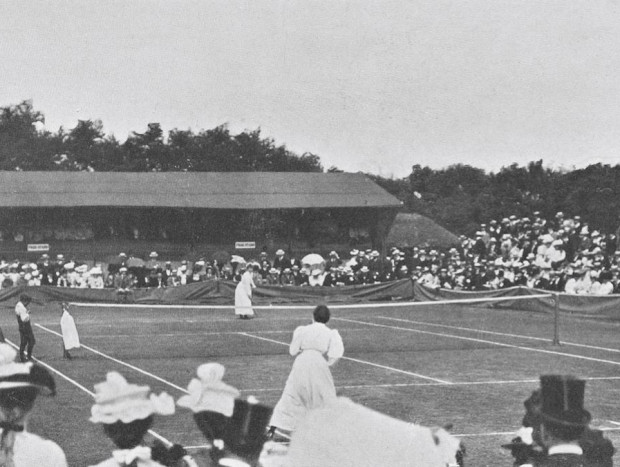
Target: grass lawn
[468,366]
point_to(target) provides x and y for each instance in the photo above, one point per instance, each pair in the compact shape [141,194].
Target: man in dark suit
[560,435]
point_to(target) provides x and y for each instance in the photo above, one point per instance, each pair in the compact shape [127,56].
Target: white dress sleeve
[295,345]
[336,348]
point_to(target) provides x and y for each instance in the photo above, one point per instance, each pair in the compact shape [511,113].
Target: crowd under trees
[459,197]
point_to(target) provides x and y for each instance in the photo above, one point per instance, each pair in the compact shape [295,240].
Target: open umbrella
[221,256]
[115,259]
[135,262]
[312,259]
[237,259]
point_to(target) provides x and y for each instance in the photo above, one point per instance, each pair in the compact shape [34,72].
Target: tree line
[459,197]
[24,145]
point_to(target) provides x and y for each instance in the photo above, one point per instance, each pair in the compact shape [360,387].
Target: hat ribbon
[8,426]
[127,456]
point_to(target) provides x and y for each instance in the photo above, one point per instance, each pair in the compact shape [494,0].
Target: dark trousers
[26,339]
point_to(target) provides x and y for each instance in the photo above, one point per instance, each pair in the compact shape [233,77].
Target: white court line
[120,362]
[361,361]
[461,328]
[509,433]
[484,341]
[90,393]
[432,384]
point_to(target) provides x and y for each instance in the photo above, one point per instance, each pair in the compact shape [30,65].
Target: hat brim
[571,418]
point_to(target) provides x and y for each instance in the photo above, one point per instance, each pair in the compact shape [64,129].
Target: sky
[371,86]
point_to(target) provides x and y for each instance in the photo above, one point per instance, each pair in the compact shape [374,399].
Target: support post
[556,319]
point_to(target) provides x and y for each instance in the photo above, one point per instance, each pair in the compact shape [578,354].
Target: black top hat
[247,430]
[562,400]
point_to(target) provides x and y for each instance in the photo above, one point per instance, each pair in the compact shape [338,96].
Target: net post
[556,319]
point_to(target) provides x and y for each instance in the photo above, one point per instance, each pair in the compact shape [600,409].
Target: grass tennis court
[431,364]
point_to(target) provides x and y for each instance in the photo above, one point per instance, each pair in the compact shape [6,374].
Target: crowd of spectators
[562,254]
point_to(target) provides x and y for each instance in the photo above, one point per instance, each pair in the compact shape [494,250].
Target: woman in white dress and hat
[126,412]
[310,384]
[20,384]
[70,337]
[243,294]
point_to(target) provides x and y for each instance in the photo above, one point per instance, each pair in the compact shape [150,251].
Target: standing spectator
[26,336]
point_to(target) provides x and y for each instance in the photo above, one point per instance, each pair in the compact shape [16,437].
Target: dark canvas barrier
[593,305]
[220,293]
[223,293]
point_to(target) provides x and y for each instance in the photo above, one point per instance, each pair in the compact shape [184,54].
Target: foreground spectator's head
[20,384]
[126,410]
[235,427]
[211,400]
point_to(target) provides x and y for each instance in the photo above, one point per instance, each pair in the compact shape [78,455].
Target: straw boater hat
[208,392]
[117,400]
[16,375]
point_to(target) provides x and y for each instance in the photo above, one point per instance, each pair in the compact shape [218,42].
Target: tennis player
[310,384]
[243,294]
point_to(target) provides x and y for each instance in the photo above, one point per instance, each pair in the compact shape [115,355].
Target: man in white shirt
[27,340]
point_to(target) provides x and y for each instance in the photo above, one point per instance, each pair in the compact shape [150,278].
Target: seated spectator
[95,278]
[281,262]
[606,285]
[287,277]
[20,384]
[363,276]
[273,278]
[126,412]
[584,282]
[123,283]
[329,278]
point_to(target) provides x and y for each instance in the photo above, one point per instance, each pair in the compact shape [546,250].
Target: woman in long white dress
[70,336]
[243,294]
[310,384]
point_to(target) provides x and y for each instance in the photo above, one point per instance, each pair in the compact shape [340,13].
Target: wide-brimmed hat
[208,392]
[279,252]
[562,400]
[117,400]
[16,375]
[153,254]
